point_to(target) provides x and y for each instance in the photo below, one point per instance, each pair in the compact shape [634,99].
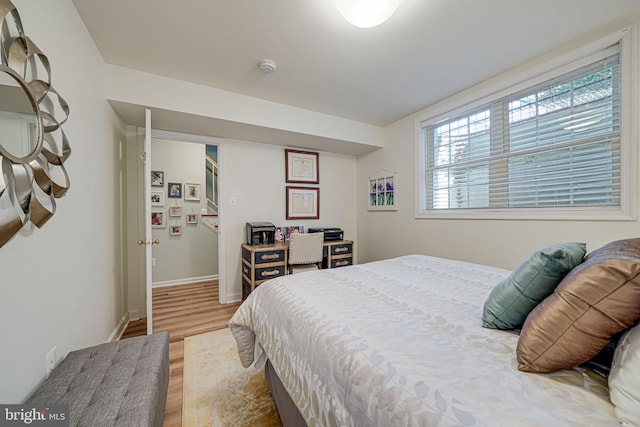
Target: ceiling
[427,50]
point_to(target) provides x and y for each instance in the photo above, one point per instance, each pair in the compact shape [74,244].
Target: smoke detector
[268,66]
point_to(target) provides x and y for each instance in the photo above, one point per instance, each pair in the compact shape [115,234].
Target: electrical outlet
[153,262]
[233,201]
[51,360]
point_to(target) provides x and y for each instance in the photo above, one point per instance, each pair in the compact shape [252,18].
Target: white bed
[400,343]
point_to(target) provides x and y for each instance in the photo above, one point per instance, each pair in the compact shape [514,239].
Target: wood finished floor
[183,310]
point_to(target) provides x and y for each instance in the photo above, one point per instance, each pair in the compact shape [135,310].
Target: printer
[330,233]
[260,233]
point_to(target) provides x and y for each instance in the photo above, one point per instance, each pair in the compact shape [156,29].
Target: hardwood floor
[183,310]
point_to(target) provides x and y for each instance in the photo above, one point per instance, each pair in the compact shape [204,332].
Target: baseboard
[231,298]
[185,281]
[134,315]
[119,330]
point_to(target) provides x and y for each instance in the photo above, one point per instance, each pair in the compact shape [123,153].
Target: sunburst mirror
[33,146]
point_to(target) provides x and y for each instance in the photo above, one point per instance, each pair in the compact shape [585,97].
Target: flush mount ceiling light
[367,13]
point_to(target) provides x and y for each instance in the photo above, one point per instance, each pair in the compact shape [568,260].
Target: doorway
[184,210]
[183,219]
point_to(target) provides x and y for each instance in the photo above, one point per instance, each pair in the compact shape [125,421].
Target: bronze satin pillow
[597,299]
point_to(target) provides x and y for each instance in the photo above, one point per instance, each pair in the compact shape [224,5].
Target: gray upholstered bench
[121,383]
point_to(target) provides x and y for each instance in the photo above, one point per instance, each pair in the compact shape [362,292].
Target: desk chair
[305,252]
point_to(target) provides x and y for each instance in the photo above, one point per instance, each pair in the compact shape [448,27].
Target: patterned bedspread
[399,343]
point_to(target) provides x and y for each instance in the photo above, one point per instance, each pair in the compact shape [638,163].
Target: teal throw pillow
[535,278]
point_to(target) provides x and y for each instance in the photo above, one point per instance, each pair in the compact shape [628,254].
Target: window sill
[588,214]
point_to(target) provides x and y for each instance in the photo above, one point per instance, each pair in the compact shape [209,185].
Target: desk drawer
[341,249]
[267,273]
[341,262]
[265,257]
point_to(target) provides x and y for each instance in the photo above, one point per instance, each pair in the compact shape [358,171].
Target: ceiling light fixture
[267,66]
[367,13]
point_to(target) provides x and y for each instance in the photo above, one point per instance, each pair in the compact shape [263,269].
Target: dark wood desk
[264,262]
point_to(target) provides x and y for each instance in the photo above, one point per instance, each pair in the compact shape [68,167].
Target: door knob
[154,242]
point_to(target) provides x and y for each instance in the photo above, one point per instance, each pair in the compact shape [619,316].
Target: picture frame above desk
[303,202]
[301,167]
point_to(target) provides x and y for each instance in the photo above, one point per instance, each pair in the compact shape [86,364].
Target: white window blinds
[553,145]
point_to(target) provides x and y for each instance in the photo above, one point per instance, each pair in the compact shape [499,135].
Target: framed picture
[301,166]
[283,233]
[157,179]
[174,190]
[175,211]
[157,198]
[192,192]
[192,219]
[303,203]
[175,230]
[383,191]
[157,220]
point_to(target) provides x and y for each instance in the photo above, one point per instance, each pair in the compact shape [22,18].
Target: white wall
[255,174]
[494,242]
[193,254]
[63,285]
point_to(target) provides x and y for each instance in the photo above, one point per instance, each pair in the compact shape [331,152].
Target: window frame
[524,77]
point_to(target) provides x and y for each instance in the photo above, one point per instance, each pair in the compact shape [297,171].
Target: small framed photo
[174,190]
[157,198]
[192,218]
[175,230]
[383,191]
[192,192]
[157,220]
[175,211]
[301,167]
[157,178]
[303,203]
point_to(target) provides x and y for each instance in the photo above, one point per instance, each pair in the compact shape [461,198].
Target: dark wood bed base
[289,413]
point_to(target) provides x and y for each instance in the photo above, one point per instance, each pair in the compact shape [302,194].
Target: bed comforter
[399,342]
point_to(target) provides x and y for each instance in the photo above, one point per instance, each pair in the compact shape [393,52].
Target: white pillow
[624,378]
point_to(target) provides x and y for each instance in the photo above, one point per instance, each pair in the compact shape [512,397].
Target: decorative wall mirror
[19,119]
[33,146]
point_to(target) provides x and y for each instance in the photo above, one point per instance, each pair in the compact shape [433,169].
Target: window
[548,149]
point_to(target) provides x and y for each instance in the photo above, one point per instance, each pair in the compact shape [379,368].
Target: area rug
[218,391]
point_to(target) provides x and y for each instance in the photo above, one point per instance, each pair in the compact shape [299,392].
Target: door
[148,242]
